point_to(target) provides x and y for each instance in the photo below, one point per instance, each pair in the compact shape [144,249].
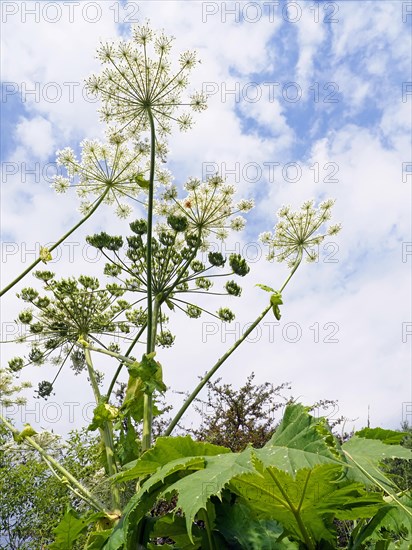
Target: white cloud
[365,293]
[51,59]
[311,34]
[36,135]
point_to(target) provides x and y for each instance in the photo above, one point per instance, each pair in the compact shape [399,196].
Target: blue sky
[361,141]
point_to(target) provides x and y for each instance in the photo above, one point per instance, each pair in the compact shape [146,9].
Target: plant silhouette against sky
[165,267]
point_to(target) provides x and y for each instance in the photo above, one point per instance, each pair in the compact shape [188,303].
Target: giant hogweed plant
[287,494]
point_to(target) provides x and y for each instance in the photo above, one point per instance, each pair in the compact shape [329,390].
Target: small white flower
[161,208]
[138,83]
[60,184]
[192,184]
[110,169]
[170,193]
[221,234]
[65,156]
[265,237]
[164,177]
[297,232]
[245,205]
[85,208]
[124,211]
[209,207]
[334,229]
[238,223]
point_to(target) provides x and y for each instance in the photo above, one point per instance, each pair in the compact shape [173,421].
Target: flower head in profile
[70,309]
[178,269]
[112,170]
[298,232]
[9,390]
[209,207]
[138,82]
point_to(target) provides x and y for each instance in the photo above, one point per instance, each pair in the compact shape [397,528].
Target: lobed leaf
[365,456]
[242,530]
[391,518]
[307,503]
[71,527]
[389,437]
[166,450]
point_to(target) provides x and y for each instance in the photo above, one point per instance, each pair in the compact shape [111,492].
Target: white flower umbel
[139,79]
[298,232]
[111,170]
[209,207]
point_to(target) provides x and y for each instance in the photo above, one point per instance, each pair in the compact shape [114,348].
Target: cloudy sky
[305,100]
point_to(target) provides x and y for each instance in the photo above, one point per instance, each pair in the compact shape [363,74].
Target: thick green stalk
[296,513]
[126,356]
[151,316]
[147,422]
[203,516]
[56,244]
[212,371]
[85,493]
[377,482]
[106,433]
[148,398]
[150,232]
[92,375]
[229,352]
[114,354]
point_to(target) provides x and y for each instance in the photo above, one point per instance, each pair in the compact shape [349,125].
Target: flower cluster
[209,207]
[176,269]
[111,170]
[138,83]
[298,232]
[9,390]
[74,310]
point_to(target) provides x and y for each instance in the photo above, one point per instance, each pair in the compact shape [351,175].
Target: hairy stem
[212,371]
[306,536]
[203,516]
[106,433]
[380,485]
[151,321]
[148,398]
[56,244]
[220,362]
[85,493]
[150,232]
[126,355]
[122,358]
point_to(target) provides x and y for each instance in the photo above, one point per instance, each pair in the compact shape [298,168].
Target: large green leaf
[307,503]
[365,456]
[166,471]
[390,437]
[71,527]
[166,450]
[174,527]
[126,534]
[303,432]
[242,530]
[196,489]
[171,477]
[393,518]
[97,539]
[302,459]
